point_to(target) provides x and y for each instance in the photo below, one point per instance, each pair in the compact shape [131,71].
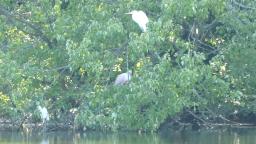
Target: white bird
[44,113]
[140,18]
[123,78]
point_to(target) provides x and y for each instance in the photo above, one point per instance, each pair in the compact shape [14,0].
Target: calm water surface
[224,136]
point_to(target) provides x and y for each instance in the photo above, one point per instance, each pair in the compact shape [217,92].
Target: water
[223,136]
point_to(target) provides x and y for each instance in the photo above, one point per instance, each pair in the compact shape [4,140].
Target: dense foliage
[196,59]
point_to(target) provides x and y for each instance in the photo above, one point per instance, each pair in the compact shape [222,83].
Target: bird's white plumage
[140,18]
[44,113]
[123,78]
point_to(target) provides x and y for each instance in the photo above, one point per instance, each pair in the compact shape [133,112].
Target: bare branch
[242,5]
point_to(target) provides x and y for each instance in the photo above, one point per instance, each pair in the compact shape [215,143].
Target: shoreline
[35,127]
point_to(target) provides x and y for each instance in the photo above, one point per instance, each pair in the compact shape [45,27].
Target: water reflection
[45,141]
[224,136]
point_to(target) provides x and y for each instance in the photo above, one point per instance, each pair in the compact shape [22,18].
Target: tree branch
[242,6]
[38,31]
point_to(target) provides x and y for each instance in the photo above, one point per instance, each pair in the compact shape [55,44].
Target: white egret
[43,113]
[123,78]
[140,18]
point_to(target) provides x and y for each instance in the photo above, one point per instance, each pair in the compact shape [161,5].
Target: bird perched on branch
[123,78]
[140,18]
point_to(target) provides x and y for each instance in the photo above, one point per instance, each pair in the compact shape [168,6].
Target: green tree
[195,56]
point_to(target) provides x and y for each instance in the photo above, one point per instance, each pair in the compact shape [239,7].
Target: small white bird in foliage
[140,18]
[123,78]
[43,113]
